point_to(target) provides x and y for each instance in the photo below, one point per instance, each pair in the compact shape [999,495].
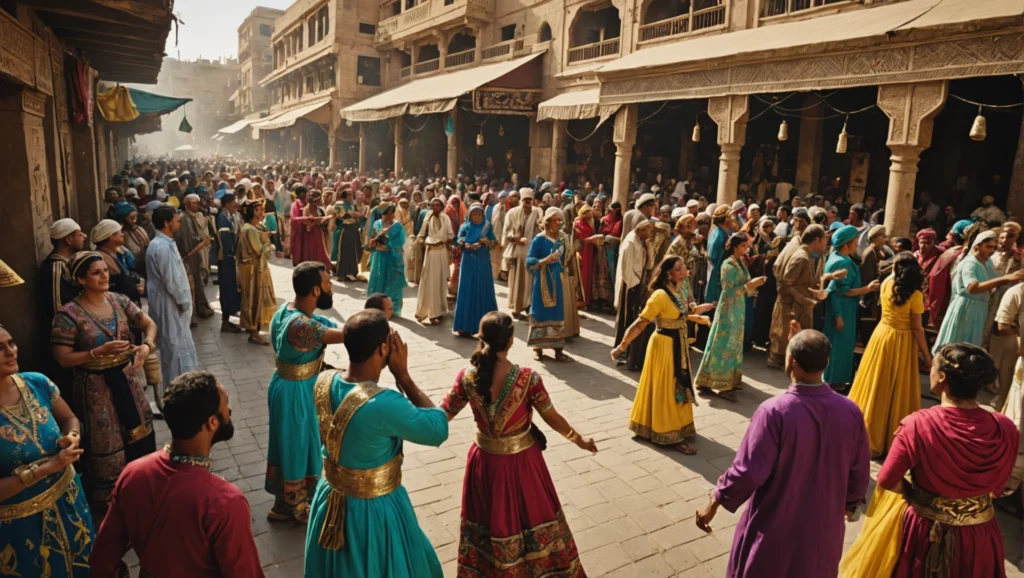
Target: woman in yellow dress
[887,387]
[663,406]
[254,282]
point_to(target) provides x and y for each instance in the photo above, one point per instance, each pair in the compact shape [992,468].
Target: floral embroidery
[190,459]
[306,333]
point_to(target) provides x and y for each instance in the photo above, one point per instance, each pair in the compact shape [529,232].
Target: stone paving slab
[631,506]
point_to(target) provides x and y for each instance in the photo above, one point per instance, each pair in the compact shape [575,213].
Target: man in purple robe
[804,463]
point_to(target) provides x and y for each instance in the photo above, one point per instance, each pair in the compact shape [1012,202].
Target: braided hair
[496,331]
[968,369]
[907,277]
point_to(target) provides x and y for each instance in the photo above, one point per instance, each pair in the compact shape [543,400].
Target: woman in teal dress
[721,368]
[45,524]
[546,259]
[972,283]
[841,305]
[293,451]
[387,258]
[475,297]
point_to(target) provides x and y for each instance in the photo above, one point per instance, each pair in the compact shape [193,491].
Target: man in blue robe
[170,300]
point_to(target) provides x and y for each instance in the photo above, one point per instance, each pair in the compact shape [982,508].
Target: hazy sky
[210,27]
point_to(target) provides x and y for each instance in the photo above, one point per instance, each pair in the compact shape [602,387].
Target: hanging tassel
[783,132]
[979,130]
[332,535]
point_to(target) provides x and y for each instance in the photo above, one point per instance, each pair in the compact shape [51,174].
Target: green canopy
[149,103]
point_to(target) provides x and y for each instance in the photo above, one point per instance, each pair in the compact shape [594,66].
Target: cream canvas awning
[437,93]
[235,127]
[575,105]
[901,42]
[315,112]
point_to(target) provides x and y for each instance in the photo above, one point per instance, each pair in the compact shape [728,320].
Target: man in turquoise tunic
[361,521]
[841,305]
[299,337]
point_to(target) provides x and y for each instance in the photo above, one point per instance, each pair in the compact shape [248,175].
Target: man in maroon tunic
[803,463]
[181,519]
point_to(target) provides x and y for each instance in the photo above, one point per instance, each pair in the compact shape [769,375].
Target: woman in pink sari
[959,456]
[590,242]
[456,211]
[308,236]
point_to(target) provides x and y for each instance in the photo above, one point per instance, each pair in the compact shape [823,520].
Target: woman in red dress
[512,520]
[590,242]
[959,456]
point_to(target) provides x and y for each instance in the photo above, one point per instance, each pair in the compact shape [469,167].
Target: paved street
[631,506]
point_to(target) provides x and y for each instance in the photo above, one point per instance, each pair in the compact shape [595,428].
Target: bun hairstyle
[968,369]
[496,331]
[735,240]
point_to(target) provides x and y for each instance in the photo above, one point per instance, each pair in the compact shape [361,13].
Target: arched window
[544,33]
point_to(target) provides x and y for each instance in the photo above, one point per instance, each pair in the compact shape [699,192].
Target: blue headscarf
[222,189]
[960,226]
[835,226]
[844,235]
[123,209]
[474,232]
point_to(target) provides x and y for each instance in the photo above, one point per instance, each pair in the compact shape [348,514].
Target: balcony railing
[502,49]
[771,8]
[405,72]
[595,50]
[460,58]
[427,66]
[684,24]
[413,19]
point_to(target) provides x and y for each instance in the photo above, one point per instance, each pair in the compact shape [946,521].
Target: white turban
[678,212]
[192,197]
[737,205]
[526,193]
[63,228]
[692,203]
[552,212]
[103,230]
[139,182]
[161,194]
[982,237]
[132,194]
[246,183]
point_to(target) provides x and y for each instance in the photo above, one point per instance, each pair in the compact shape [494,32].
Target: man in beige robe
[193,239]
[522,224]
[800,289]
[499,267]
[432,293]
[643,211]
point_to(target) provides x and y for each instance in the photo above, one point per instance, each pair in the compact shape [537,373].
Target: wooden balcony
[430,15]
[594,51]
[713,17]
[770,8]
[405,72]
[463,58]
[506,48]
[427,66]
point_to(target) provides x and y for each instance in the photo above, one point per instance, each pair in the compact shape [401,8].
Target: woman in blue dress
[721,225]
[45,525]
[841,305]
[972,283]
[476,285]
[546,259]
[387,258]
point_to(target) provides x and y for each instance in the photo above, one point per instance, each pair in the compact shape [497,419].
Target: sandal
[728,395]
[563,358]
[685,448]
[258,341]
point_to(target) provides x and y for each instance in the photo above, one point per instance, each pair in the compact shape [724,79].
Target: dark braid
[968,369]
[907,277]
[496,331]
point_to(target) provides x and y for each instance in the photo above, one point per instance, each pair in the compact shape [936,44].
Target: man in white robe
[522,224]
[630,269]
[498,216]
[432,293]
[170,300]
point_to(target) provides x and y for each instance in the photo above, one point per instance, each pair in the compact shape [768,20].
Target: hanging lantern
[783,132]
[841,145]
[480,139]
[979,130]
[501,130]
[696,132]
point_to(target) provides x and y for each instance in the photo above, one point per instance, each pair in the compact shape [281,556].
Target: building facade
[255,60]
[739,93]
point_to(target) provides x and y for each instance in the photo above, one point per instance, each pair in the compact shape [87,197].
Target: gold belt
[670,323]
[364,484]
[952,511]
[299,372]
[102,362]
[504,446]
[38,503]
[348,221]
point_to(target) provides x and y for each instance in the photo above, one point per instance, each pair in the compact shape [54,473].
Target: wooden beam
[87,34]
[152,13]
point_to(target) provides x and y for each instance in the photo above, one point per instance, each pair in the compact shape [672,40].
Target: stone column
[808,154]
[399,146]
[1015,200]
[624,137]
[558,150]
[362,148]
[911,109]
[730,113]
[332,143]
[540,149]
[453,146]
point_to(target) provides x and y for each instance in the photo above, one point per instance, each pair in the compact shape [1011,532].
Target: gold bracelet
[572,435]
[27,474]
[149,343]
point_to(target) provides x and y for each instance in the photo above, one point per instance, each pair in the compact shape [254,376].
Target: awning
[316,112]
[294,63]
[235,127]
[574,106]
[437,93]
[149,103]
[900,42]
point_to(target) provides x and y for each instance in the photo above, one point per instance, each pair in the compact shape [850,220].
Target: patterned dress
[254,282]
[721,368]
[293,452]
[387,268]
[512,520]
[54,536]
[117,422]
[547,313]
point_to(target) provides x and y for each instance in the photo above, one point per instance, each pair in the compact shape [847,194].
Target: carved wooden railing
[595,50]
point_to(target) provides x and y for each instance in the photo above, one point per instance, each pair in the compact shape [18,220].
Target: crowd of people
[810,280]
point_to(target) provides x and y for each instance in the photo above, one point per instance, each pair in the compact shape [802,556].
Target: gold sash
[662,323]
[947,512]
[40,502]
[102,362]
[506,445]
[347,482]
[299,372]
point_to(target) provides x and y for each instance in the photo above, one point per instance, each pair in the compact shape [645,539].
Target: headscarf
[456,211]
[475,231]
[548,214]
[104,230]
[983,237]
[123,209]
[584,212]
[844,235]
[80,263]
[960,227]
[62,228]
[835,226]
[926,233]
[876,231]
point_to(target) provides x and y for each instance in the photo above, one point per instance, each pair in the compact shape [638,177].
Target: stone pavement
[631,506]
